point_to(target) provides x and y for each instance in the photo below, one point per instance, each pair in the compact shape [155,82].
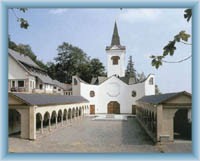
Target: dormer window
[115,60]
[151,81]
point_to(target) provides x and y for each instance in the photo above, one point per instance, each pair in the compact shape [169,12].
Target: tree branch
[179,61]
[185,43]
[15,14]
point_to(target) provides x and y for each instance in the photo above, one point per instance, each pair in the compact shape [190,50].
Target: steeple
[115,56]
[115,37]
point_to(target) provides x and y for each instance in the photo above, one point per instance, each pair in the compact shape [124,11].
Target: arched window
[134,93]
[92,93]
[151,81]
[115,59]
[75,81]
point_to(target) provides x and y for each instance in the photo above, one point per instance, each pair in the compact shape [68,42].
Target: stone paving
[87,136]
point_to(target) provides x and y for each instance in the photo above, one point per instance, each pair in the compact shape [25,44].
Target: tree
[51,69]
[23,22]
[157,90]
[130,71]
[169,49]
[141,77]
[96,68]
[72,60]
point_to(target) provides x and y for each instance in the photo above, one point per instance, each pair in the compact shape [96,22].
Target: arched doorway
[59,116]
[39,121]
[113,107]
[54,118]
[47,118]
[14,122]
[182,127]
[65,115]
[69,114]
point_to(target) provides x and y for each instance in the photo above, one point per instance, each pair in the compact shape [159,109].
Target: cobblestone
[87,136]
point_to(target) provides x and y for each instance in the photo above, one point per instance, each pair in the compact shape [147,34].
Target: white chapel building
[114,94]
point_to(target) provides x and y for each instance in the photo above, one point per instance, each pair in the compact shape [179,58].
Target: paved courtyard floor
[88,136]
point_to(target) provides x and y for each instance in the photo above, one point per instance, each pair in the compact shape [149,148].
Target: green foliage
[130,71]
[141,77]
[188,14]
[96,68]
[157,90]
[170,48]
[51,70]
[23,9]
[70,61]
[23,23]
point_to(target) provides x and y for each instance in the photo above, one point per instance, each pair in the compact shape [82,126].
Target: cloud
[58,11]
[139,15]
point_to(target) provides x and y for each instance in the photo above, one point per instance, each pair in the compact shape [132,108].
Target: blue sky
[143,31]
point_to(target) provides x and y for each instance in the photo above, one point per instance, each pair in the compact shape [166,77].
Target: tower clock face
[113,89]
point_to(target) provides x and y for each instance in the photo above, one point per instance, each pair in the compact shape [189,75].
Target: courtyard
[95,136]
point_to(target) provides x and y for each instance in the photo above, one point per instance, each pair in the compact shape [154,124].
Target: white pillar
[66,118]
[49,124]
[61,120]
[71,116]
[56,121]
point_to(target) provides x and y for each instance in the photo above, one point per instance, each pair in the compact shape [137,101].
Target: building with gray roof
[26,76]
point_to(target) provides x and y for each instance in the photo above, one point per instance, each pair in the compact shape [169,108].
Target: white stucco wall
[76,88]
[118,69]
[113,89]
[32,83]
[15,71]
[150,88]
[48,88]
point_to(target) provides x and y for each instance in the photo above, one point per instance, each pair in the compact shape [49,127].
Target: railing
[36,90]
[18,89]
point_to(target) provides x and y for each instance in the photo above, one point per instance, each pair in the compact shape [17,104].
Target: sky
[144,32]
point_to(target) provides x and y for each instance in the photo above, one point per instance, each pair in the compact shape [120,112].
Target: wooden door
[113,108]
[92,109]
[134,109]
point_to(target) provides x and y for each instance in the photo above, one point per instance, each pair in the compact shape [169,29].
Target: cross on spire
[115,37]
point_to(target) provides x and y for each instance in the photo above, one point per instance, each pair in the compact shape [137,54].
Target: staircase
[110,116]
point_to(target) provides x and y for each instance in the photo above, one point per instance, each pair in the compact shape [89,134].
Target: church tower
[115,56]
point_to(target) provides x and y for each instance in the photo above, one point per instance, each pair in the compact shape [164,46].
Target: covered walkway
[40,113]
[166,116]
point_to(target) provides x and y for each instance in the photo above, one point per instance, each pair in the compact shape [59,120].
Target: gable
[113,79]
[180,99]
[15,71]
[12,100]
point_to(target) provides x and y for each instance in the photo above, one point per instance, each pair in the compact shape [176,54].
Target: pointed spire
[115,37]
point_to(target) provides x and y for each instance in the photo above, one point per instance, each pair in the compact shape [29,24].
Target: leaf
[23,9]
[23,23]
[188,14]
[152,56]
[177,38]
[165,53]
[157,62]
